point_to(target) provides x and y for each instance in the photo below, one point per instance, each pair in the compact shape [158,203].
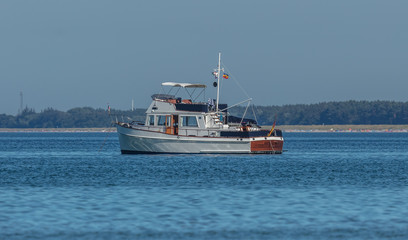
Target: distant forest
[81,117]
[329,113]
[348,112]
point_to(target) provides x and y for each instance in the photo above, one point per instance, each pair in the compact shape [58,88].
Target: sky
[75,53]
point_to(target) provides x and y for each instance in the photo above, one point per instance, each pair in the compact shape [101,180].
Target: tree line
[81,117]
[348,112]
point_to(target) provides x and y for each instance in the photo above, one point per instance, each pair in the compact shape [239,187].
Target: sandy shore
[285,128]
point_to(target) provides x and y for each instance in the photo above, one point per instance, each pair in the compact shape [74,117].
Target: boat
[180,125]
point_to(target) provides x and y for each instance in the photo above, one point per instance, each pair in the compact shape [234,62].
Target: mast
[218,80]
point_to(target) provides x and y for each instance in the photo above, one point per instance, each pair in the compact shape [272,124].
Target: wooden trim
[266,145]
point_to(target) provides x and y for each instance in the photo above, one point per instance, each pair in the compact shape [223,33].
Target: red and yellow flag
[273,127]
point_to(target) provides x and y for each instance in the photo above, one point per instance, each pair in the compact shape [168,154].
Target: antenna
[133,104]
[20,111]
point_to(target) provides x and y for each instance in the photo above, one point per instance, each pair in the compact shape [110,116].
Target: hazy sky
[65,54]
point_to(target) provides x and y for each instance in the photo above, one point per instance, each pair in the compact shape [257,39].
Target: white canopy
[184,85]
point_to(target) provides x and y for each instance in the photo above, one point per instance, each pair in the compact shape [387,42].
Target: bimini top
[184,85]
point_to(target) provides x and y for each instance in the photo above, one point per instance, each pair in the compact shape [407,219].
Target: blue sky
[65,54]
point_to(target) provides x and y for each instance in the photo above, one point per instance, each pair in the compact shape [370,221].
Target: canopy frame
[186,86]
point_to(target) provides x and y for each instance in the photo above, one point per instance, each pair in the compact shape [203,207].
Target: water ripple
[59,186]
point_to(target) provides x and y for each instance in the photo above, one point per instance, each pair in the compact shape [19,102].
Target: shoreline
[386,128]
[284,128]
[58,130]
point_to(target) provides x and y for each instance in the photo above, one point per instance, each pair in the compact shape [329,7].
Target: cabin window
[188,121]
[161,121]
[151,120]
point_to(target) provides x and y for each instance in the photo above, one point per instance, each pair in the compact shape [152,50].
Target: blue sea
[325,186]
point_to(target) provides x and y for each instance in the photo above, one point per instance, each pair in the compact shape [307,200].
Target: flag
[226,76]
[273,127]
[215,74]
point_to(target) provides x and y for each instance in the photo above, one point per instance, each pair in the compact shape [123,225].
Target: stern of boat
[267,145]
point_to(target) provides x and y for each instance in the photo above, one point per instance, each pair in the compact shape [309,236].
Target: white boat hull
[142,141]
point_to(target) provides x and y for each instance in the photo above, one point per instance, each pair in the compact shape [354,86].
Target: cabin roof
[184,85]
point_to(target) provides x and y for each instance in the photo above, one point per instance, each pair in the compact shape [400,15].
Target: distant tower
[20,111]
[133,104]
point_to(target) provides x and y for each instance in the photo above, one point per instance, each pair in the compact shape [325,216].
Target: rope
[236,81]
[106,137]
[242,89]
[253,112]
[270,143]
[109,130]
